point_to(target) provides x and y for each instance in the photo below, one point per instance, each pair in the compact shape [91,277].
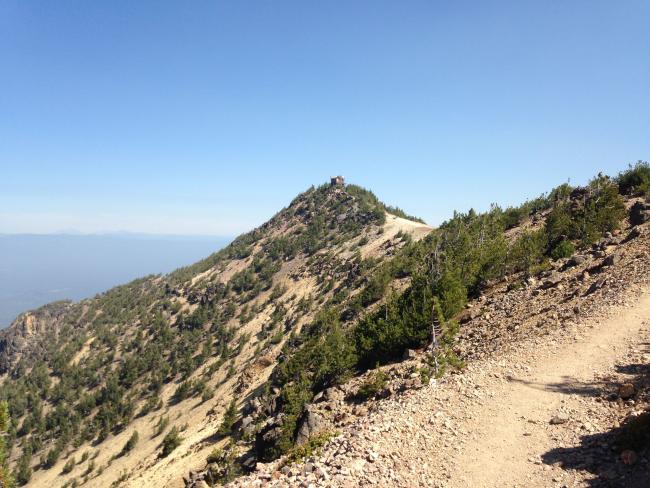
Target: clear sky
[206,117]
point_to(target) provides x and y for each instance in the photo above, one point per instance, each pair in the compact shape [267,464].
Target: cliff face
[28,336]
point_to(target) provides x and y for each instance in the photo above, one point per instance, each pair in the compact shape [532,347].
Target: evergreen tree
[229,419]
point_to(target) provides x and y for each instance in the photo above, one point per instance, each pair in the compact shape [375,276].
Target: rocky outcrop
[640,213]
[311,424]
[28,335]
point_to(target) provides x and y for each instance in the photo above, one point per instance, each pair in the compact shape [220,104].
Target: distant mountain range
[38,269]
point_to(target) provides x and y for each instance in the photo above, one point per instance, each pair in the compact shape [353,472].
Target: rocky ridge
[412,432]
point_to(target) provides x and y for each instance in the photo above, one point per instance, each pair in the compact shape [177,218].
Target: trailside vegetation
[448,267]
[114,353]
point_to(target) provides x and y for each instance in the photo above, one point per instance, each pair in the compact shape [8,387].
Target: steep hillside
[282,344]
[102,391]
[481,288]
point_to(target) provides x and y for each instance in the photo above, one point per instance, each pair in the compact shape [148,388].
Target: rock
[333,394]
[250,463]
[634,233]
[531,281]
[409,354]
[269,433]
[612,260]
[551,281]
[629,457]
[576,261]
[559,418]
[311,424]
[626,391]
[639,213]
[246,421]
[596,285]
[412,383]
[321,473]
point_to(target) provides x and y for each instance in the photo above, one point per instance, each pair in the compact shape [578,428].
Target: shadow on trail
[600,454]
[568,386]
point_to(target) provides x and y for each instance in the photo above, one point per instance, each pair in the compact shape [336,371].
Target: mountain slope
[253,358]
[545,400]
[81,378]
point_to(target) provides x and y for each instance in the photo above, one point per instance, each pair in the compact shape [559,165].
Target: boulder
[639,213]
[250,463]
[551,281]
[611,260]
[634,233]
[412,383]
[576,260]
[559,418]
[268,434]
[333,394]
[596,285]
[409,354]
[311,424]
[626,391]
[248,425]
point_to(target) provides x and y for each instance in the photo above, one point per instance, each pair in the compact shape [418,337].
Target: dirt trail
[490,426]
[510,432]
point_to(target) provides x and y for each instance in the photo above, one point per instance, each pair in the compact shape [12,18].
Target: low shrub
[373,385]
[171,441]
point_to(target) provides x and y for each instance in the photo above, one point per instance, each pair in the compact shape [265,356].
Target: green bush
[373,385]
[229,419]
[563,249]
[131,443]
[527,251]
[52,457]
[161,425]
[207,394]
[635,180]
[69,466]
[309,448]
[224,467]
[23,471]
[171,441]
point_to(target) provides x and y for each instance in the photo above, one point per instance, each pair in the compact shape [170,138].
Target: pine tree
[229,419]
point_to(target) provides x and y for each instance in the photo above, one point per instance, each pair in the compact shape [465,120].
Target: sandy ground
[510,431]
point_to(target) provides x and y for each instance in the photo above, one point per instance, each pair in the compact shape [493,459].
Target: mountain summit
[316,350]
[172,352]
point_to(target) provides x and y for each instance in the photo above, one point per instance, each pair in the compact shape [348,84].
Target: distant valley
[38,269]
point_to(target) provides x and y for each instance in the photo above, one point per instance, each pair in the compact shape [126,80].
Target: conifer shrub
[171,441]
[69,466]
[229,419]
[372,386]
[563,249]
[635,180]
[131,443]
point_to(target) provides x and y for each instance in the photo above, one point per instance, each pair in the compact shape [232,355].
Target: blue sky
[207,117]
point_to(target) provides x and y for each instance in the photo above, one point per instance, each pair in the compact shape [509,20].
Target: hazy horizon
[46,268]
[168,118]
